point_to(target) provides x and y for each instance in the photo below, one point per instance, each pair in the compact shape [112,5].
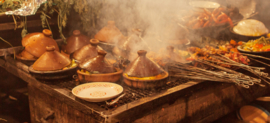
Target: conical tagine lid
[143,67]
[51,60]
[87,51]
[109,33]
[97,64]
[75,42]
[36,43]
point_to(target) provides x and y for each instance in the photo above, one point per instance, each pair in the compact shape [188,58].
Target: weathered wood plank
[42,103]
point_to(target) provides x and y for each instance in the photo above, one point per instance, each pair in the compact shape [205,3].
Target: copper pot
[87,51]
[36,43]
[109,34]
[51,60]
[75,42]
[97,64]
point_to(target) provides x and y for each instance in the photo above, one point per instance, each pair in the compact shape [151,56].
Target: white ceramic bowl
[204,4]
[97,91]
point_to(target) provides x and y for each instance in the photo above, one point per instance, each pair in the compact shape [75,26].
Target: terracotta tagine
[51,60]
[144,73]
[109,34]
[98,63]
[36,43]
[87,51]
[25,57]
[75,42]
[99,69]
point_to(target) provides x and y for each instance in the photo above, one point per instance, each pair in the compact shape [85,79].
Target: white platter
[97,91]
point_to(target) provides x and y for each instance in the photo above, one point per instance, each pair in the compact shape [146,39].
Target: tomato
[233,42]
[240,43]
[258,45]
[190,59]
[267,49]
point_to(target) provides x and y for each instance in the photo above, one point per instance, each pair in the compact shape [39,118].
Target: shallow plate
[204,4]
[97,91]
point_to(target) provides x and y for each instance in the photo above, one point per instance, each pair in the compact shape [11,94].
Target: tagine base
[147,84]
[50,75]
[109,77]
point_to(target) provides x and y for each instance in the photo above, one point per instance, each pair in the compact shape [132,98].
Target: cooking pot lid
[143,66]
[98,64]
[75,42]
[51,60]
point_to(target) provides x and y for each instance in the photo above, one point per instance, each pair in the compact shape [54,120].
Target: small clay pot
[97,64]
[75,42]
[36,43]
[51,60]
[87,51]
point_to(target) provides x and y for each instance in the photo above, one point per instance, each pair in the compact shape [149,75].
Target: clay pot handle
[102,52]
[142,52]
[50,48]
[76,32]
[47,32]
[94,42]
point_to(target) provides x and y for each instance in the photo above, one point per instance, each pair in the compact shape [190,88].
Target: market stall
[195,64]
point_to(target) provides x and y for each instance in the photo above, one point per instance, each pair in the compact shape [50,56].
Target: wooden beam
[31,23]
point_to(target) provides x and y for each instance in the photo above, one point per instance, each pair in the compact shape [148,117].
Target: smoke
[154,18]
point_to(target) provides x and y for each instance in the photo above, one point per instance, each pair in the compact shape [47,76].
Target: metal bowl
[244,38]
[262,53]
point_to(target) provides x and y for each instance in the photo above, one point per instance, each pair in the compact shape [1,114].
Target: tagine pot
[36,43]
[109,34]
[142,67]
[75,42]
[100,70]
[52,65]
[25,57]
[87,51]
[51,60]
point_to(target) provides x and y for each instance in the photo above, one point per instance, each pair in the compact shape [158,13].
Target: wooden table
[188,102]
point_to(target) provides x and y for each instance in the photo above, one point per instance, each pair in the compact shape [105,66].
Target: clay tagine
[144,73]
[36,43]
[75,42]
[143,67]
[87,51]
[109,34]
[97,64]
[51,60]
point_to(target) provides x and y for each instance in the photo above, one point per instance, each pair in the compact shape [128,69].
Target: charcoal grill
[179,101]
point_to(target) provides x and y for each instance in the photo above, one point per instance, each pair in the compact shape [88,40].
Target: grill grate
[132,94]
